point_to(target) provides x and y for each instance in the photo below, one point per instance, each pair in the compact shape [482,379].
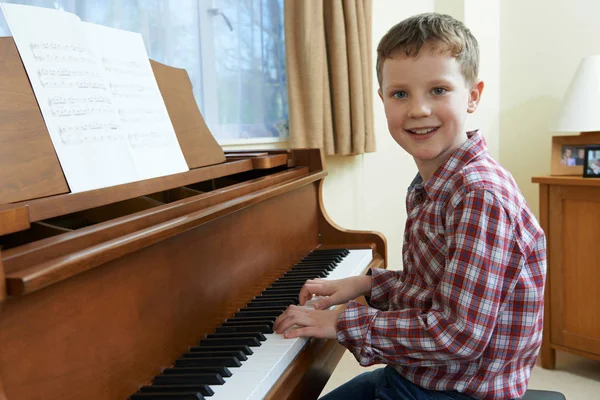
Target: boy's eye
[438,91]
[399,94]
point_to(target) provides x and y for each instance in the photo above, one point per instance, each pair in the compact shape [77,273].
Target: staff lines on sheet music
[61,56]
[79,99]
[59,46]
[148,139]
[72,82]
[125,112]
[90,132]
[121,67]
[129,89]
[145,118]
[80,110]
[72,139]
[52,72]
[63,52]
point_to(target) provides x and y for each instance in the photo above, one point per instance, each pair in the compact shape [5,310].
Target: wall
[542,44]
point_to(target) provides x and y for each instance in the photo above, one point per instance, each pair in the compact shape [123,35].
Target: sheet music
[138,100]
[91,115]
[73,97]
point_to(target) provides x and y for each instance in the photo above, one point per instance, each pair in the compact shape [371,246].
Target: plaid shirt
[466,312]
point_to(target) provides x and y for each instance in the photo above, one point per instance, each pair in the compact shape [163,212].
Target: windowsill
[253,144]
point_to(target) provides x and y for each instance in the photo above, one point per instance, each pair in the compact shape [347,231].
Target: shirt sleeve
[382,281]
[483,262]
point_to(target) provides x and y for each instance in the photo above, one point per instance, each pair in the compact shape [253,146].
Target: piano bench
[542,395]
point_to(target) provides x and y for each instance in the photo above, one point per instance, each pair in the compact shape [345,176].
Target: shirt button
[419,197]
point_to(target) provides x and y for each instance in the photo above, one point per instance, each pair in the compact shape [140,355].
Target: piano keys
[122,292]
[251,377]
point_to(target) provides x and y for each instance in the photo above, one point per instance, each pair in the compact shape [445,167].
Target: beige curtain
[329,73]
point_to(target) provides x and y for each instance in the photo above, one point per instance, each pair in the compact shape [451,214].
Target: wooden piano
[100,291]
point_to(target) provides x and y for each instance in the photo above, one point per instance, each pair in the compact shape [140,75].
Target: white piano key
[257,375]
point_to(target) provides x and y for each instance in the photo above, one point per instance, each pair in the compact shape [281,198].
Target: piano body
[100,291]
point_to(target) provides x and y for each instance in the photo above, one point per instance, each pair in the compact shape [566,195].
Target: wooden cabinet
[570,216]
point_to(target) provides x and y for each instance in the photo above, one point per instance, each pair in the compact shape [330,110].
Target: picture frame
[568,153]
[592,162]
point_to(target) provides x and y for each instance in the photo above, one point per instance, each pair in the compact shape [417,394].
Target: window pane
[234,54]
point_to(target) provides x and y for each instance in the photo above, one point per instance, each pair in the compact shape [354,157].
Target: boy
[464,318]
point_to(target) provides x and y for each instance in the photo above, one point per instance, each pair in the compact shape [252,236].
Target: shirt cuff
[354,331]
[382,281]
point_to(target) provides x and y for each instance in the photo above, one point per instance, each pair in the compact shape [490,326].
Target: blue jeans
[387,384]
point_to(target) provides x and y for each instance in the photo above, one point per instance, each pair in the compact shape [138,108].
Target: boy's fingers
[308,331]
[323,304]
[308,290]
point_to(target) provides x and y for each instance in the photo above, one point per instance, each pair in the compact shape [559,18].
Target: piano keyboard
[244,358]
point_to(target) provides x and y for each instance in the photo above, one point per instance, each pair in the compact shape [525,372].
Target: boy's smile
[426,101]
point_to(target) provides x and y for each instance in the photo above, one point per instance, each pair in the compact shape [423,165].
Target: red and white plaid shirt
[466,312]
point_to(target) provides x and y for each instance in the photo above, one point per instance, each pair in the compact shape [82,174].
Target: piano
[164,288]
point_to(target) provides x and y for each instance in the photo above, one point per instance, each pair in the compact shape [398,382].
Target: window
[233,51]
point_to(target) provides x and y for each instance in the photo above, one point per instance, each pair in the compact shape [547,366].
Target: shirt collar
[472,148]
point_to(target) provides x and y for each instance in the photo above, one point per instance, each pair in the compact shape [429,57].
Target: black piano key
[305,274]
[204,390]
[288,282]
[249,318]
[276,292]
[224,335]
[210,348]
[207,362]
[277,296]
[264,308]
[167,396]
[293,298]
[201,379]
[308,268]
[221,353]
[300,270]
[250,313]
[324,257]
[314,264]
[321,251]
[280,289]
[250,321]
[245,328]
[292,280]
[223,371]
[247,341]
[268,303]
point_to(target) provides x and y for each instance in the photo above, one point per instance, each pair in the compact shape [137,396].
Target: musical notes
[52,100]
[121,67]
[91,132]
[129,90]
[98,97]
[148,139]
[80,110]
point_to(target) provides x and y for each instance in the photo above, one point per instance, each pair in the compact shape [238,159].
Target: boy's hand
[311,323]
[338,291]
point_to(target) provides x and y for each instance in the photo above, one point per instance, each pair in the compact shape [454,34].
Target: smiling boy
[463,319]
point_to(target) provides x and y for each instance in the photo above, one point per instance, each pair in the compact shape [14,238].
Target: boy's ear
[475,96]
[380,94]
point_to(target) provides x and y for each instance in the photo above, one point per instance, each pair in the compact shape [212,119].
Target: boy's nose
[419,109]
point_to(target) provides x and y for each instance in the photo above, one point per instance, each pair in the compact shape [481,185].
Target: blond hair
[443,31]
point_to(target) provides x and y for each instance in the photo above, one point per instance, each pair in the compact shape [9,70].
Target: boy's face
[426,101]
